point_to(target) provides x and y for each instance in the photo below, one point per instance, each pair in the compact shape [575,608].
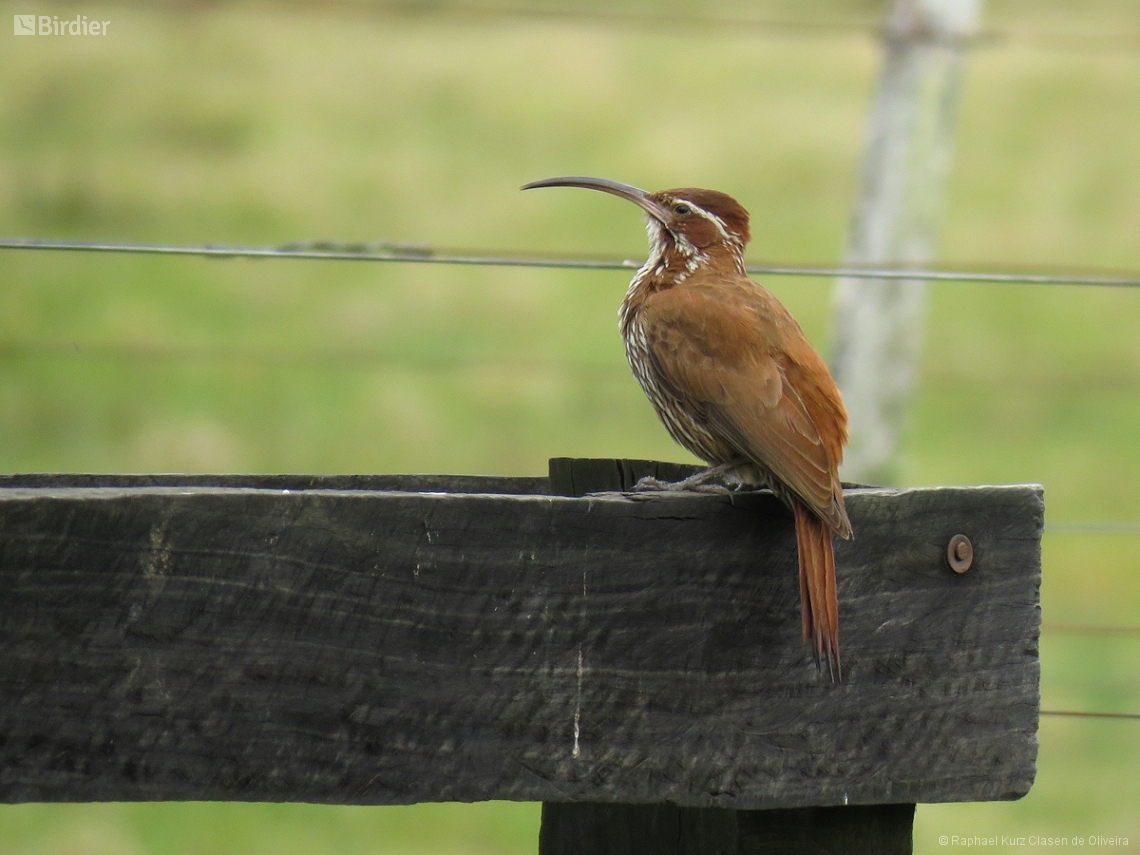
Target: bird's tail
[818,600]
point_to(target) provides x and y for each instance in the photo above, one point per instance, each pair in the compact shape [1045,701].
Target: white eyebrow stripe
[713,218]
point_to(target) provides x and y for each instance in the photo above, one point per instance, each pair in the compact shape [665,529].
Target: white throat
[659,240]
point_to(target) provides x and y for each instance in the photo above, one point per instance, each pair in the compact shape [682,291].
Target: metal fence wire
[320,250]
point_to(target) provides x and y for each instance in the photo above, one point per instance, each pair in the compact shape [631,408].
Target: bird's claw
[714,489]
[689,485]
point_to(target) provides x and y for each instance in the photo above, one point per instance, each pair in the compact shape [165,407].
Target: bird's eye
[682,209]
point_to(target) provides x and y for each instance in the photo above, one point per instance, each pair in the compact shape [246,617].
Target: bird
[735,381]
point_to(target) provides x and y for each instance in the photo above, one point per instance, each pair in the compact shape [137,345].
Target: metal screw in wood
[960,553]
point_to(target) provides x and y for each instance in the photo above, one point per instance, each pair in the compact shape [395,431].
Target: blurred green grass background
[260,124]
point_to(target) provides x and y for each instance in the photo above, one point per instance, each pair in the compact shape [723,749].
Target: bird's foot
[706,481]
[649,484]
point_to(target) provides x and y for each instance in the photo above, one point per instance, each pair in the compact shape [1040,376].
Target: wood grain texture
[409,483]
[599,828]
[606,829]
[368,647]
[576,476]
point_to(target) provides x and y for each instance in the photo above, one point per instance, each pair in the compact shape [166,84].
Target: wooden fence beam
[362,646]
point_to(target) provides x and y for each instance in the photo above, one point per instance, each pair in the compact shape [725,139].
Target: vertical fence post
[590,828]
[877,329]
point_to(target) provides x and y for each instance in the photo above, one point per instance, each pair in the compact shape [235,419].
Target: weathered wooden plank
[599,828]
[408,483]
[576,476]
[607,829]
[367,647]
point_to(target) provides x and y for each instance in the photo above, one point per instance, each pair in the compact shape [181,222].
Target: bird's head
[688,221]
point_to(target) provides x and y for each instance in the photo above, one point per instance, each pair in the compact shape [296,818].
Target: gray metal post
[877,331]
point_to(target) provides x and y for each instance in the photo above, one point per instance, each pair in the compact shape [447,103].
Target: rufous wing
[739,369]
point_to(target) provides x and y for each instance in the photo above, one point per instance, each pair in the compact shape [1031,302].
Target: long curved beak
[615,188]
